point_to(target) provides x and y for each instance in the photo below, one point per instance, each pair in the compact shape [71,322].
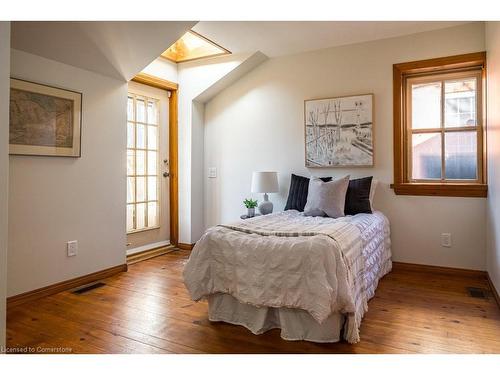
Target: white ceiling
[116,49]
[282,38]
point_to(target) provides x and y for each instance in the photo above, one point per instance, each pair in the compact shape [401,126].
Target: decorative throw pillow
[357,199]
[326,198]
[297,195]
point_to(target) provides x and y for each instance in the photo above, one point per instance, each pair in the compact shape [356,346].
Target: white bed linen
[304,283]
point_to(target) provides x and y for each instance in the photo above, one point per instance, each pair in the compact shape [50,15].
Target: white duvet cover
[321,266]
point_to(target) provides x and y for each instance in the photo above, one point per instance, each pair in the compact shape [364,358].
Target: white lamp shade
[265,182]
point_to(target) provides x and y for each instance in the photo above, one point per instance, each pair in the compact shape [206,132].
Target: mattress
[310,277]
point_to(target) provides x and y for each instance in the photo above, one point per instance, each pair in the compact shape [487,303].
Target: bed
[310,277]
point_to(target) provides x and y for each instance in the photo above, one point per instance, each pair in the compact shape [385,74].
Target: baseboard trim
[438,269]
[64,285]
[494,290]
[148,254]
[185,246]
[151,246]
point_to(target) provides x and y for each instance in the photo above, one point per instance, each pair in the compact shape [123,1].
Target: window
[142,163]
[438,127]
[193,46]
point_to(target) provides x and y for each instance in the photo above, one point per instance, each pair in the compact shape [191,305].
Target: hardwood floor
[147,310]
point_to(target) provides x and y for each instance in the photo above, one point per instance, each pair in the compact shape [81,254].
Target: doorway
[148,185]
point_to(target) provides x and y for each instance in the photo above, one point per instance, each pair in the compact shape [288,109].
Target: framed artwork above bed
[339,131]
[44,120]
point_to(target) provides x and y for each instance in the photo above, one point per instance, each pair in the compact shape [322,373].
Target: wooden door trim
[173,154]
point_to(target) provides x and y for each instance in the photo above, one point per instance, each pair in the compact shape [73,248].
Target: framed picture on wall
[339,131]
[44,120]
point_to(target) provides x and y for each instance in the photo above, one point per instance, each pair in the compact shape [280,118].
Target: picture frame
[44,120]
[338,131]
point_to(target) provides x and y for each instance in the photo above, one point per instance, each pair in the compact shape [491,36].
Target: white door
[148,215]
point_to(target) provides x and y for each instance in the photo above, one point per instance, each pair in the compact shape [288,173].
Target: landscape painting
[43,120]
[339,131]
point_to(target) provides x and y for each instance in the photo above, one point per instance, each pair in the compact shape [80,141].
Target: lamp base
[266,207]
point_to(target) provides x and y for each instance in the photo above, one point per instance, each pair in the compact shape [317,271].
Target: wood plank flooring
[147,310]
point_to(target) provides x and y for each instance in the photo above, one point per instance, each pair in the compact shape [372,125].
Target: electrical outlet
[72,248]
[446,239]
[212,172]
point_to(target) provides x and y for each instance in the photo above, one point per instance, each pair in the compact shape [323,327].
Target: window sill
[441,190]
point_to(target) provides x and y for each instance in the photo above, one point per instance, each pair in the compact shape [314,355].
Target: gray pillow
[326,198]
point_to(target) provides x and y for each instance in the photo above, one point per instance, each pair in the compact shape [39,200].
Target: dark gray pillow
[297,195]
[357,200]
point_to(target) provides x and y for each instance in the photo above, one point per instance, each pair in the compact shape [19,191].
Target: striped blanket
[284,260]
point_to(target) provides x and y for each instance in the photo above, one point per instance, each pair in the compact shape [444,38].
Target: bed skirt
[295,324]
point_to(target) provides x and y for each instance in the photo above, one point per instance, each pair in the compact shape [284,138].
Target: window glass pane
[130,135]
[130,109]
[152,163]
[426,152]
[130,217]
[426,105]
[130,162]
[460,98]
[152,137]
[141,136]
[461,155]
[152,214]
[141,110]
[140,215]
[141,189]
[152,116]
[140,162]
[130,189]
[152,189]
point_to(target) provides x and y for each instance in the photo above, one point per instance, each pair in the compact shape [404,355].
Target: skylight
[193,46]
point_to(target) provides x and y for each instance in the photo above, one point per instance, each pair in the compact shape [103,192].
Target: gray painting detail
[40,120]
[339,131]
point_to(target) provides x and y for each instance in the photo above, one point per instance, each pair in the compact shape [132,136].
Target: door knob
[166,174]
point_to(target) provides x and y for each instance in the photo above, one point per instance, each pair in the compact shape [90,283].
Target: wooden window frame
[403,185]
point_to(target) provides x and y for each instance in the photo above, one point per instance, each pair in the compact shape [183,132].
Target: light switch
[212,172]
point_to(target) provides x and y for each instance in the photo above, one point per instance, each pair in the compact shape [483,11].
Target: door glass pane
[460,98]
[152,214]
[141,189]
[141,110]
[130,109]
[140,215]
[140,162]
[426,105]
[141,136]
[426,152]
[130,189]
[152,116]
[130,135]
[152,189]
[130,217]
[130,162]
[461,155]
[152,137]
[152,163]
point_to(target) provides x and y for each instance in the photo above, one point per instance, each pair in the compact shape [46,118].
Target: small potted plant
[250,204]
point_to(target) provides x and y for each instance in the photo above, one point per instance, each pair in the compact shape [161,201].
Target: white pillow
[326,198]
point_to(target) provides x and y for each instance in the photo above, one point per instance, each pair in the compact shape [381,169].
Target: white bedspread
[286,260]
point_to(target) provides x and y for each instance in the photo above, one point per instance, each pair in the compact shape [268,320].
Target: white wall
[257,124]
[194,79]
[54,199]
[4,166]
[493,210]
[162,68]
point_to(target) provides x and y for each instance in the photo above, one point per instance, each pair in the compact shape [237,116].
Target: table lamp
[265,182]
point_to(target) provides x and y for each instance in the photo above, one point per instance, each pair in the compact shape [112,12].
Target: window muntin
[143,202]
[444,127]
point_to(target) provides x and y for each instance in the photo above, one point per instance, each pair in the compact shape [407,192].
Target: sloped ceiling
[115,49]
[278,38]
